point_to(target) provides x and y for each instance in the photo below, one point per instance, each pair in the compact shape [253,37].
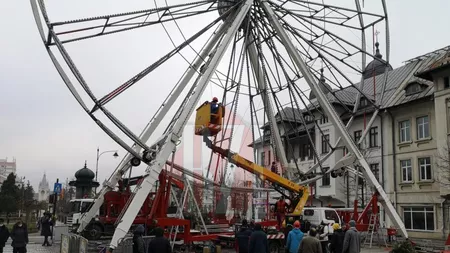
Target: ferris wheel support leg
[98,202]
[145,135]
[331,113]
[161,157]
[262,87]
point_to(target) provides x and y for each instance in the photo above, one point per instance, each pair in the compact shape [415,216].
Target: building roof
[377,66]
[395,80]
[442,62]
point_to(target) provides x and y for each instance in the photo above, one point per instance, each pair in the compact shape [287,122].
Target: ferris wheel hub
[225,5]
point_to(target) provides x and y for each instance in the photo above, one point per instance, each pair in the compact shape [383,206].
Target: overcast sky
[43,127]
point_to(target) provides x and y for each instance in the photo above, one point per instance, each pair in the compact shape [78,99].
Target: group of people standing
[18,234]
[251,239]
[326,238]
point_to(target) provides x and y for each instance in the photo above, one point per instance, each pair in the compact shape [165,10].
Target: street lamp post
[23,197]
[115,155]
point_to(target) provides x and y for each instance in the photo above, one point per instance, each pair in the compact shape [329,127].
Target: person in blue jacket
[294,238]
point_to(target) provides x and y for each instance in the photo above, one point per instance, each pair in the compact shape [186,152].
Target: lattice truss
[262,59]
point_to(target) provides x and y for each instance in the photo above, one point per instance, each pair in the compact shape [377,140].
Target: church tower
[43,189]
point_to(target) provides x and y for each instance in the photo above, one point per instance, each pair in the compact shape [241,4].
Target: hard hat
[297,224]
[215,99]
[336,226]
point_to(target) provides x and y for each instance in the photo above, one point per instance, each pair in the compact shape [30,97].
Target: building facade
[6,168]
[406,146]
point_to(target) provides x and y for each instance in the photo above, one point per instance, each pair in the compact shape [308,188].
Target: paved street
[35,245]
[363,250]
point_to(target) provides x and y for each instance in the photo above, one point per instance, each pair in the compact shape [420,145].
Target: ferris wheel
[260,55]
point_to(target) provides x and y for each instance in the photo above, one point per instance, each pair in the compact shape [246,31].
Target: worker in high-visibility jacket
[281,208]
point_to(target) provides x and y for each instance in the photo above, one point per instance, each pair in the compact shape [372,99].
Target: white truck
[77,209]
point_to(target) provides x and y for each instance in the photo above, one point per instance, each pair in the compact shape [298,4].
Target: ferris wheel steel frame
[164,147]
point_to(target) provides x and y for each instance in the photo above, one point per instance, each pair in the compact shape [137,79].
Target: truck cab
[313,216]
[77,208]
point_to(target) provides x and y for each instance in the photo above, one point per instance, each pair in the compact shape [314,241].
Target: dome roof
[326,88]
[376,67]
[85,174]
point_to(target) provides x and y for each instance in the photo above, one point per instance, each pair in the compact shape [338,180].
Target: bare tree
[443,167]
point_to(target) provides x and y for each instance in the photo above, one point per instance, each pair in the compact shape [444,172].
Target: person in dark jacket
[337,240]
[138,241]
[243,237]
[4,235]
[352,240]
[19,236]
[310,244]
[159,244]
[258,241]
[46,230]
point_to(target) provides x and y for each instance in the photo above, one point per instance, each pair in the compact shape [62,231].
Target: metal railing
[126,244]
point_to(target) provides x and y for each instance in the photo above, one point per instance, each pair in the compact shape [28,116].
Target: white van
[315,215]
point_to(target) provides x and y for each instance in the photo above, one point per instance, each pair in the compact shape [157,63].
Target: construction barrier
[71,243]
[126,244]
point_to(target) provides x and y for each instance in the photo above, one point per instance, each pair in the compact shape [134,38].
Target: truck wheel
[94,232]
[274,247]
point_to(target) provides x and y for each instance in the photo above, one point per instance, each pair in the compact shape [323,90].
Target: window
[344,151]
[446,82]
[324,119]
[413,89]
[331,215]
[268,158]
[357,135]
[448,118]
[406,170]
[373,137]
[326,179]
[310,152]
[375,168]
[304,152]
[263,159]
[423,128]
[419,218]
[363,102]
[405,131]
[307,152]
[425,168]
[308,118]
[325,141]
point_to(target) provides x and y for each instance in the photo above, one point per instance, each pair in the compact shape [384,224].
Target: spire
[322,84]
[85,163]
[377,51]
[322,77]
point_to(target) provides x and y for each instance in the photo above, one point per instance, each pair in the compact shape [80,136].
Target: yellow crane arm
[264,174]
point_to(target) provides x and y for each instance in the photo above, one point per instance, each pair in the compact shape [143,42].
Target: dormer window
[364,102]
[446,82]
[414,88]
[308,118]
